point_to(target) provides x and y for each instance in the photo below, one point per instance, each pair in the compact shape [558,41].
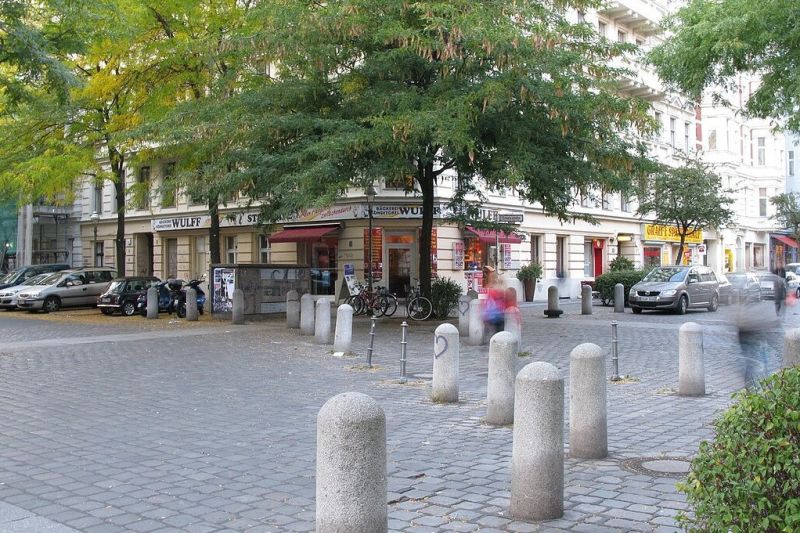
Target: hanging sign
[506,251]
[458,255]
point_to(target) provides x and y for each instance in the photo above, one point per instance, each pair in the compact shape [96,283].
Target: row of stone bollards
[192,313]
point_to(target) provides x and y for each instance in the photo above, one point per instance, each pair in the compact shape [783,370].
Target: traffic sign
[510,218]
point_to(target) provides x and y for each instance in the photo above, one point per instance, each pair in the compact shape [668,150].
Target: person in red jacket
[494,307]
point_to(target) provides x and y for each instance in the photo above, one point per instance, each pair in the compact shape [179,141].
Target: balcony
[641,16]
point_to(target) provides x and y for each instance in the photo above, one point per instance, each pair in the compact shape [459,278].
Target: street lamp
[370,194]
[95,218]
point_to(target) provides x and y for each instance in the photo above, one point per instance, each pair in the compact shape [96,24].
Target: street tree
[490,94]
[689,197]
[787,212]
[712,41]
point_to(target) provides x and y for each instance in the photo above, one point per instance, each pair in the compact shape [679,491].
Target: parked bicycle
[417,306]
[380,301]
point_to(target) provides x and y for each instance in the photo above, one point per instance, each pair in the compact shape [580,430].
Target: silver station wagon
[69,288]
[676,288]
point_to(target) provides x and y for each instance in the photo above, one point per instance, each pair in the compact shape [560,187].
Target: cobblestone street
[117,425]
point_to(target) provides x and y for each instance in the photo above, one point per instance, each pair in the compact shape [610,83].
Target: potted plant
[529,275]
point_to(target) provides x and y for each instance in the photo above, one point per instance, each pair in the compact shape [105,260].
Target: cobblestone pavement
[116,426]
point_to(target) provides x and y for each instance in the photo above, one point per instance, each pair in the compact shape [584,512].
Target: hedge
[605,283]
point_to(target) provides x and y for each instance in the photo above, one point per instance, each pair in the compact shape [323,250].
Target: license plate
[105,300]
[647,298]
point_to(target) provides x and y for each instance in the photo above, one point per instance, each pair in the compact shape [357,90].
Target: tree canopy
[787,212]
[712,41]
[689,197]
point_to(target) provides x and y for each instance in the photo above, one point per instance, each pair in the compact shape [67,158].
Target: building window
[561,257]
[624,203]
[652,256]
[659,122]
[581,17]
[622,36]
[97,202]
[170,252]
[790,160]
[200,257]
[605,200]
[536,248]
[168,187]
[639,42]
[98,253]
[762,151]
[686,128]
[762,202]
[673,122]
[712,140]
[143,188]
[263,249]
[588,259]
[602,28]
[231,244]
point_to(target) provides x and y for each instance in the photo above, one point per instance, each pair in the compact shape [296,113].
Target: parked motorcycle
[166,296]
[179,303]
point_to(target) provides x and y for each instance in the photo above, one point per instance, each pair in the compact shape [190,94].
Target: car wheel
[714,303]
[128,309]
[683,305]
[636,310]
[797,292]
[107,312]
[51,304]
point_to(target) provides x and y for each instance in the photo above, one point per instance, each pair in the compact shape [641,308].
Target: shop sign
[375,259]
[458,255]
[510,218]
[203,221]
[655,232]
[506,251]
[701,249]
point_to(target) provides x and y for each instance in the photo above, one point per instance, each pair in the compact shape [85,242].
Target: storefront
[784,251]
[661,246]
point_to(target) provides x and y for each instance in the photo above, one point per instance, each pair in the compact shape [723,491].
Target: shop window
[168,187]
[321,257]
[200,257]
[263,249]
[758,256]
[473,255]
[652,256]
[231,252]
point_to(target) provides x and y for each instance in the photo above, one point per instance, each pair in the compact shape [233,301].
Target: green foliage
[605,283]
[620,263]
[531,271]
[689,197]
[444,296]
[787,211]
[748,477]
[713,41]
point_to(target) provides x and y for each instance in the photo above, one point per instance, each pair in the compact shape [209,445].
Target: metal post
[497,241]
[614,351]
[371,341]
[369,254]
[403,344]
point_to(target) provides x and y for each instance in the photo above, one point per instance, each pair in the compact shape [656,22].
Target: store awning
[304,233]
[788,241]
[490,236]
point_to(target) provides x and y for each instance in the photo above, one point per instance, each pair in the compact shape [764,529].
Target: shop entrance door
[400,258]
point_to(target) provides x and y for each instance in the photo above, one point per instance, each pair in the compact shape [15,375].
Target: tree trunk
[119,192]
[213,231]
[680,249]
[425,176]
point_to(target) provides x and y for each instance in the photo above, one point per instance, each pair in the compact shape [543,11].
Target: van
[676,288]
[69,288]
[21,274]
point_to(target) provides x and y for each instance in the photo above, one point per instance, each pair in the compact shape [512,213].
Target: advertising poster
[458,255]
[377,254]
[506,252]
[224,283]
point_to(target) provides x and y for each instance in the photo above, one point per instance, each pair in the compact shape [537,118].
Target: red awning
[788,241]
[489,236]
[305,233]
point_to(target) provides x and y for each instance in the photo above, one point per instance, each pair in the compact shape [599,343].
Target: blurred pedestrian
[494,307]
[779,284]
[756,329]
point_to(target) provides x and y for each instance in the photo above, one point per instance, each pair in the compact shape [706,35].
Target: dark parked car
[21,274]
[121,295]
[676,288]
[744,287]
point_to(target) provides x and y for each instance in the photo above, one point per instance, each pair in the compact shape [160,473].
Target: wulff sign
[654,232]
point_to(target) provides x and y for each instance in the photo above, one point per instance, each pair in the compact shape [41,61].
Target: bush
[604,284]
[748,477]
[444,296]
[620,263]
[531,271]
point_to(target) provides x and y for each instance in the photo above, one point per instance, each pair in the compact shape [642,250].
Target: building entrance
[400,258]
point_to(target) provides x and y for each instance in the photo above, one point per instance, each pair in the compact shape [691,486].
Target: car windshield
[737,279]
[11,277]
[49,279]
[666,274]
[36,279]
[116,286]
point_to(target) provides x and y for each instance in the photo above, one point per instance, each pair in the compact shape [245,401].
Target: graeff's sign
[655,232]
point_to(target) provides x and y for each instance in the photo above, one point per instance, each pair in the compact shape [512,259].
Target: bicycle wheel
[389,304]
[376,306]
[419,308]
[356,303]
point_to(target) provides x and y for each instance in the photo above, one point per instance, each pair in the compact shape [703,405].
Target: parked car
[793,283]
[8,296]
[793,267]
[766,282]
[19,275]
[122,293]
[676,288]
[744,287]
[70,288]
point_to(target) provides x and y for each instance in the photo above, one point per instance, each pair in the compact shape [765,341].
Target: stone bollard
[537,456]
[586,299]
[191,305]
[292,310]
[691,372]
[552,310]
[351,465]
[503,351]
[619,298]
[513,323]
[445,364]
[343,337]
[588,426]
[791,348]
[152,303]
[238,307]
[322,322]
[463,315]
[476,325]
[307,314]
